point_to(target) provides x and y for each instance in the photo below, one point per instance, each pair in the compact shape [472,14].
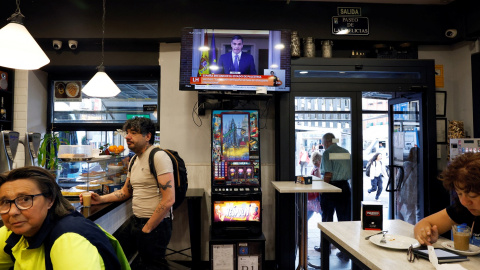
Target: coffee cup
[87,199]
[461,236]
[96,152]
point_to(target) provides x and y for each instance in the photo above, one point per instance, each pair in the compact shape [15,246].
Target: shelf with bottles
[347,48]
[100,175]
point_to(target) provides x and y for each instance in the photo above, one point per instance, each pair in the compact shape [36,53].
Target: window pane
[129,103]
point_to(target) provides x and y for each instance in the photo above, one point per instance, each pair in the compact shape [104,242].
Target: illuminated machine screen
[228,211]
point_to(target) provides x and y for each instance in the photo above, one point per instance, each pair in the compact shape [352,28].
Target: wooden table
[349,237]
[301,191]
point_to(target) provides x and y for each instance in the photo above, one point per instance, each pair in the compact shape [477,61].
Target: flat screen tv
[235,60]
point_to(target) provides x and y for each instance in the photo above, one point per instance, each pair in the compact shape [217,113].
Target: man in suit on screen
[236,61]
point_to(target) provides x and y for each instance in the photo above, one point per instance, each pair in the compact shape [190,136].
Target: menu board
[68,91]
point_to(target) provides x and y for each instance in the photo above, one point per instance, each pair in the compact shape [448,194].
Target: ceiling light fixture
[101,85]
[18,49]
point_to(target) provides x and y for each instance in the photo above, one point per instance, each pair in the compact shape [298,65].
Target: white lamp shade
[101,86]
[18,49]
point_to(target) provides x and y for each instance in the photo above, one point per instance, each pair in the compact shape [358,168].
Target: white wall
[30,107]
[456,61]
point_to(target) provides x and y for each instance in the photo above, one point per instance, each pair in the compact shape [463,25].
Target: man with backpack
[152,199]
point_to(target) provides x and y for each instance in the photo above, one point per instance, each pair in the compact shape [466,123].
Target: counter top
[98,210]
[316,186]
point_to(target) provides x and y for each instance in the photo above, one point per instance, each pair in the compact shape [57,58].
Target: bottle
[327,48]
[3,112]
[295,45]
[309,47]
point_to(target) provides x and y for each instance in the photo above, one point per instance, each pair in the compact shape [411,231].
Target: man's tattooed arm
[125,192]
[167,185]
[130,188]
[160,208]
[119,194]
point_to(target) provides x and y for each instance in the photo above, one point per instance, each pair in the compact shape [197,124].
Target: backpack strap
[151,163]
[131,163]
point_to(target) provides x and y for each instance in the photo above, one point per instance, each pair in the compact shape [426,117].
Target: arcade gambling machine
[236,185]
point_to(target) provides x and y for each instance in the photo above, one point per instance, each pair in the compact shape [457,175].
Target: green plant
[48,151]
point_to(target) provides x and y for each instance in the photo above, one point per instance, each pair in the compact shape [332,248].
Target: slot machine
[236,182]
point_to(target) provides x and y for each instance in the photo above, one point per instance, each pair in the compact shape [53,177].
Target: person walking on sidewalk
[377,171]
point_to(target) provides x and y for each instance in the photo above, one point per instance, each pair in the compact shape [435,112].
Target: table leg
[325,254]
[194,222]
[302,207]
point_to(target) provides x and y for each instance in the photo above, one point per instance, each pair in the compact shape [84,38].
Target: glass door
[406,182]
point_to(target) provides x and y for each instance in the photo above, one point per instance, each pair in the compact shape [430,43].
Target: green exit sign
[130,116]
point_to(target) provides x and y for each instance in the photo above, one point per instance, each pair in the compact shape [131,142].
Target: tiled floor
[314,240]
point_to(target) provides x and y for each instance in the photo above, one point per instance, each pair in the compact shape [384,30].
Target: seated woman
[43,228]
[462,176]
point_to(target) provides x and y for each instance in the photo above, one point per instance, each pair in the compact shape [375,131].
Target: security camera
[73,44]
[57,44]
[451,33]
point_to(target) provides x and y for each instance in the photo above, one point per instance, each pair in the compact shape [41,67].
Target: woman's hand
[426,234]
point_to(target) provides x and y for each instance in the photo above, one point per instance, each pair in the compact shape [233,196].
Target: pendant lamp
[101,85]
[18,49]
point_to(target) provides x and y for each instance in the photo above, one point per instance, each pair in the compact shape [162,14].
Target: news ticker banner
[235,79]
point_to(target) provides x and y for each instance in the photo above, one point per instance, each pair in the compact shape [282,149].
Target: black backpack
[179,173]
[367,169]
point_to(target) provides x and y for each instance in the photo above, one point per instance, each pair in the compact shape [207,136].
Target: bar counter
[110,216]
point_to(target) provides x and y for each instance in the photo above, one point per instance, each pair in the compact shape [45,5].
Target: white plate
[394,241]
[473,250]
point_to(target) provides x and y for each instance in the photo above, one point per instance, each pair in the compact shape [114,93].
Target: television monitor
[235,149]
[237,214]
[234,59]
